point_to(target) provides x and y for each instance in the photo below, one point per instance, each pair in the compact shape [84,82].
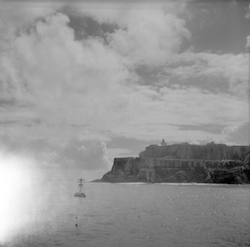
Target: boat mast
[80,185]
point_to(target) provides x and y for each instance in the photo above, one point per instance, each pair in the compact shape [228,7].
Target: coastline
[179,164]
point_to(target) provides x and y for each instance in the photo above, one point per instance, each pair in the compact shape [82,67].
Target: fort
[184,162]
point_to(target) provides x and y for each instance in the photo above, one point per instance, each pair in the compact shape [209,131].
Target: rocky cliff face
[184,163]
[123,170]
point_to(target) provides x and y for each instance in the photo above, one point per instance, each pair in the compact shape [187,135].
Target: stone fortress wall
[182,162]
[188,163]
[210,151]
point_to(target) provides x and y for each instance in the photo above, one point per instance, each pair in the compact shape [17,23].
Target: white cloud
[149,36]
[146,33]
[52,69]
[233,68]
[48,76]
[86,83]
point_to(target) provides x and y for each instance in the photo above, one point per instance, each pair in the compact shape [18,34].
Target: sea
[135,214]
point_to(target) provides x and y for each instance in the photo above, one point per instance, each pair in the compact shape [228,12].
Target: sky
[82,82]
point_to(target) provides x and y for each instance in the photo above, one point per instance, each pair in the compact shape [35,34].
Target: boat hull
[80,195]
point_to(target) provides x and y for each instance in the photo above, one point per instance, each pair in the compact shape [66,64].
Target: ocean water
[139,215]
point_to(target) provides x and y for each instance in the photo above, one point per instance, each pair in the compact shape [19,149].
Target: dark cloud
[7,102]
[85,26]
[20,122]
[210,128]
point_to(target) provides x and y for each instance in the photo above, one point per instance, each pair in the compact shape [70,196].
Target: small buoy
[76,222]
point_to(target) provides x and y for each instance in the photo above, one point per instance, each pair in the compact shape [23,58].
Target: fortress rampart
[188,163]
[215,163]
[210,151]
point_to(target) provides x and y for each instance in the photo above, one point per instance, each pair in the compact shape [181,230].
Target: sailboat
[80,192]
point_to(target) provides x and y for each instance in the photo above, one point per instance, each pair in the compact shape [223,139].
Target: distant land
[184,162]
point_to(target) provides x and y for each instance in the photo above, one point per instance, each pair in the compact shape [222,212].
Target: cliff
[212,163]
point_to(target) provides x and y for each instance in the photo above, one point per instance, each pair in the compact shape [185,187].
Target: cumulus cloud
[47,67]
[146,33]
[52,82]
[149,41]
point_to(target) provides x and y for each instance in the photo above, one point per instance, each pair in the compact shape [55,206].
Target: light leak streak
[14,196]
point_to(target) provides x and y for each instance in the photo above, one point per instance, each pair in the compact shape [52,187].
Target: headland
[184,162]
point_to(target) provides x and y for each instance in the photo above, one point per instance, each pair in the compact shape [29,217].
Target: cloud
[74,153]
[64,86]
[20,13]
[248,44]
[238,133]
[90,83]
[183,106]
[247,15]
[231,67]
[90,154]
[47,67]
[146,33]
[17,16]
[149,37]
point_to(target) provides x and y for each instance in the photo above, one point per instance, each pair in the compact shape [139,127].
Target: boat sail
[80,191]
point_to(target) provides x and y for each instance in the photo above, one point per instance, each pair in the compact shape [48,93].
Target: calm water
[141,215]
